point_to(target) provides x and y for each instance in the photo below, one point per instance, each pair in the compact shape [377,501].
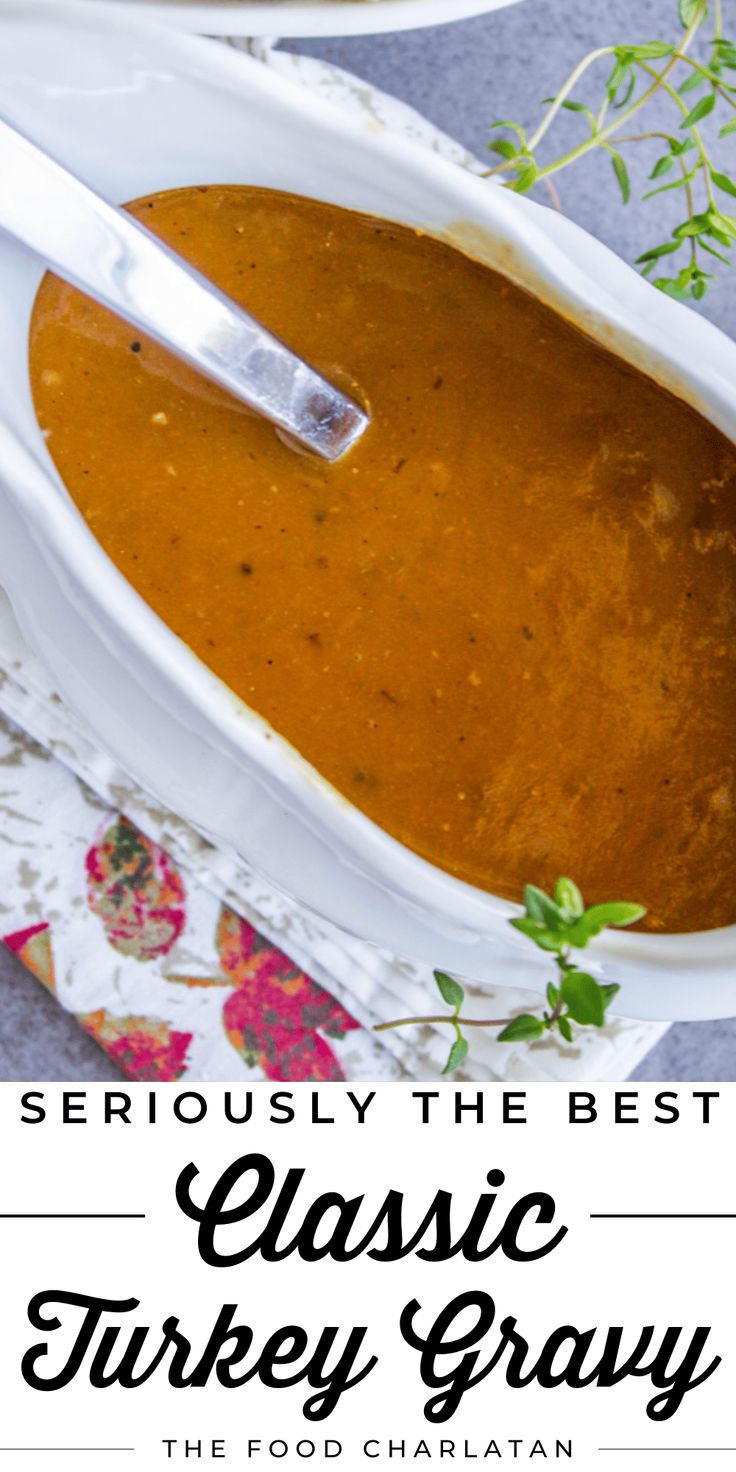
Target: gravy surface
[504,626]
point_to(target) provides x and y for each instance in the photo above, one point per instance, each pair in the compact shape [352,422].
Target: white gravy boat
[133,108]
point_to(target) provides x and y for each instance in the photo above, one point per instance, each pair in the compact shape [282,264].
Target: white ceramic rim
[302,18]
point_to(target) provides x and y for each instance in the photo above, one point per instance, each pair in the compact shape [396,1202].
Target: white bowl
[133,108]
[307,17]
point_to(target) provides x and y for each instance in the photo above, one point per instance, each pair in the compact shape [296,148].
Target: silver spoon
[119,263]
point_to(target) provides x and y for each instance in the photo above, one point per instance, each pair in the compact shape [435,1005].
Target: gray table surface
[461,76]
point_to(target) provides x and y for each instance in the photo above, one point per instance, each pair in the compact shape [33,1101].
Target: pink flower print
[33,948]
[146,1048]
[136,890]
[278,1017]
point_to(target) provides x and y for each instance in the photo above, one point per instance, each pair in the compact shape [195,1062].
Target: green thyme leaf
[599,916]
[622,175]
[694,226]
[716,234]
[539,906]
[506,123]
[689,11]
[565,1029]
[680,183]
[713,252]
[450,990]
[568,897]
[701,110]
[619,72]
[691,83]
[620,101]
[504,147]
[522,1029]
[662,166]
[659,250]
[458,1054]
[547,940]
[570,105]
[608,991]
[651,51]
[671,287]
[620,912]
[526,178]
[583,998]
[723,182]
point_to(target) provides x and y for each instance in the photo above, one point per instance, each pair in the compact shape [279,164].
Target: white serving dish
[133,108]
[307,17]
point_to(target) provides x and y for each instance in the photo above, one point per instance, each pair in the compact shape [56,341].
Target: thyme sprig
[559,924]
[637,75]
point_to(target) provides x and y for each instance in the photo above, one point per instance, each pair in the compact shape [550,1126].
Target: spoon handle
[119,263]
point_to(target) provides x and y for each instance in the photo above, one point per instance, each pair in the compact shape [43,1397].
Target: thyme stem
[650,66]
[558,924]
[442,1017]
[597,139]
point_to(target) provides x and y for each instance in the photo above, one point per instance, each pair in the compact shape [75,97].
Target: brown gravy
[504,625]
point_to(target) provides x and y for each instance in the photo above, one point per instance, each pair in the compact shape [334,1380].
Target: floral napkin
[181,962]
